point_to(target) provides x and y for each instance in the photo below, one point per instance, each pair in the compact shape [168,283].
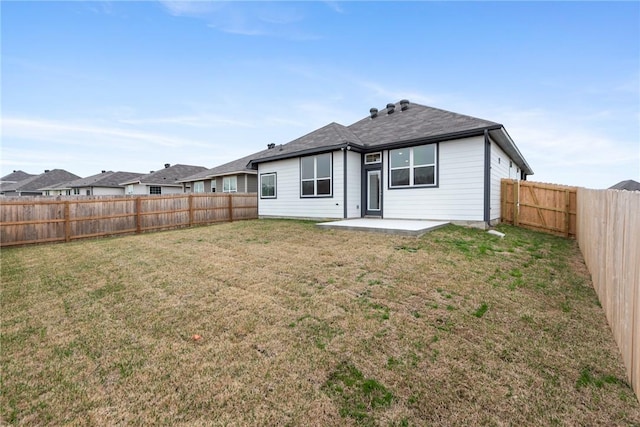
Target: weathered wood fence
[40,220]
[544,207]
[609,238]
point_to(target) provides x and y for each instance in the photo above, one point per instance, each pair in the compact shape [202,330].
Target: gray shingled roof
[417,123]
[104,179]
[331,135]
[233,167]
[16,176]
[166,176]
[629,185]
[44,180]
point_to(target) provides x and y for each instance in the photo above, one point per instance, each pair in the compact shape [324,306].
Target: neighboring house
[106,183]
[33,186]
[628,185]
[407,161]
[232,177]
[15,176]
[163,181]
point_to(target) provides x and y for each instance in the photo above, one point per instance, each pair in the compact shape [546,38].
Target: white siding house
[407,161]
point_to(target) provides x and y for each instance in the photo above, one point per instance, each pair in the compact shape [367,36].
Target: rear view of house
[406,161]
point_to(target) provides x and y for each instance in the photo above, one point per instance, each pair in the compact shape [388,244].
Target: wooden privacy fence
[609,238]
[538,206]
[40,220]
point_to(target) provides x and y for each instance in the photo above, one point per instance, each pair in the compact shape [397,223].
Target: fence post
[567,220]
[138,217]
[67,221]
[516,201]
[230,207]
[190,210]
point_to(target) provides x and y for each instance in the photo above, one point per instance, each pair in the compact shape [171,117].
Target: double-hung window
[230,184]
[315,176]
[413,166]
[198,187]
[268,186]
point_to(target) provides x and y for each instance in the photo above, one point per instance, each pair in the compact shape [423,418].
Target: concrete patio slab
[404,227]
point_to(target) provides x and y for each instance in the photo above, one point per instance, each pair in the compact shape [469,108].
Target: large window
[230,184]
[412,166]
[154,189]
[315,176]
[198,187]
[268,186]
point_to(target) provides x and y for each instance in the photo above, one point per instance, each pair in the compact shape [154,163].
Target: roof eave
[504,140]
[307,152]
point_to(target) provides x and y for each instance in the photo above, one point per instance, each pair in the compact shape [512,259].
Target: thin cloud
[80,134]
[198,121]
[246,18]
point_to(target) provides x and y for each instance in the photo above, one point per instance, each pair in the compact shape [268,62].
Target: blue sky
[90,86]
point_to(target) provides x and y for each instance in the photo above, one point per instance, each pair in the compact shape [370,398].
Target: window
[76,191]
[230,184]
[213,185]
[268,186]
[372,158]
[315,175]
[413,166]
[129,189]
[198,187]
[155,189]
[88,192]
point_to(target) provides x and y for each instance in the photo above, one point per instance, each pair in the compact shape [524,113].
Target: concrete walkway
[405,227]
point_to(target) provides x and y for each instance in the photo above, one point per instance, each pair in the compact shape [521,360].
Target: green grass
[305,326]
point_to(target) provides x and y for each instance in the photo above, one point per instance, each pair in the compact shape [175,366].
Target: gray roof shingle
[16,176]
[171,175]
[104,179]
[415,123]
[44,180]
[629,185]
[235,166]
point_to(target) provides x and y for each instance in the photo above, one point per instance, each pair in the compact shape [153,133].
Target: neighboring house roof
[16,176]
[235,167]
[407,124]
[109,179]
[44,180]
[629,185]
[169,176]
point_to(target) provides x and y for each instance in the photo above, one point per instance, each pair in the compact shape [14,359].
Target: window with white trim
[213,185]
[268,185]
[129,189]
[413,166]
[155,189]
[76,191]
[198,187]
[315,176]
[230,184]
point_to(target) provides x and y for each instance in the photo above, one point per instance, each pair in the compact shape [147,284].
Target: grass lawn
[276,322]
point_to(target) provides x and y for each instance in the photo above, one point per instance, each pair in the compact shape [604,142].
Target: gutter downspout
[487,178]
[344,183]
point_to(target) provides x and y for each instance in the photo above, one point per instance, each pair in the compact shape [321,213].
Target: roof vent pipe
[47,171]
[166,165]
[373,112]
[391,108]
[270,146]
[404,104]
[104,171]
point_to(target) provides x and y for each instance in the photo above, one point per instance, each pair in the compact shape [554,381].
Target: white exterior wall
[459,195]
[501,167]
[102,191]
[354,187]
[288,202]
[144,189]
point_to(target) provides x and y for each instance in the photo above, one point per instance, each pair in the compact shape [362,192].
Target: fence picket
[42,220]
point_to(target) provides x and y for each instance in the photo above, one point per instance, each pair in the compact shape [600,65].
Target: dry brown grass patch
[305,326]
